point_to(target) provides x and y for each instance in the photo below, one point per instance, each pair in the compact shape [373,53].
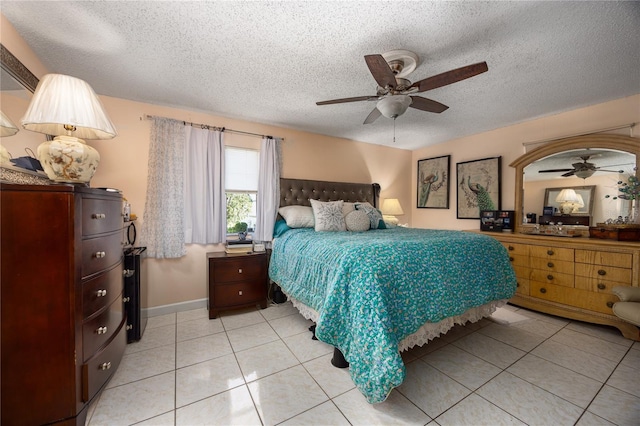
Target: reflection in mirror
[570,200]
[600,169]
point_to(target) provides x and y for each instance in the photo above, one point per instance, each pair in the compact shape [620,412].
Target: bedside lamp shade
[67,108]
[390,209]
[7,128]
[568,199]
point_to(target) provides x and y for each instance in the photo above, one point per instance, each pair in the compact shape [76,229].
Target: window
[241,188]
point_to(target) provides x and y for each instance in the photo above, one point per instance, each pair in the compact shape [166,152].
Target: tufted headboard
[298,192]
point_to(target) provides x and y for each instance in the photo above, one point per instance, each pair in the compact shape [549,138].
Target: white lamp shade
[394,106]
[7,128]
[580,202]
[567,195]
[391,207]
[61,100]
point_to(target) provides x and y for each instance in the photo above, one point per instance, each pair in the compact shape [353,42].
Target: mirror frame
[17,70]
[602,140]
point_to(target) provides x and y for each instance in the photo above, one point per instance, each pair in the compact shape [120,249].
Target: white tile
[610,334]
[416,352]
[491,350]
[166,419]
[202,349]
[396,410]
[591,344]
[260,361]
[513,336]
[160,321]
[631,359]
[626,379]
[474,410]
[233,407]
[590,419]
[326,413]
[616,406]
[140,365]
[278,311]
[334,381]
[575,359]
[305,348]
[560,381]
[205,379]
[540,327]
[241,318]
[250,336]
[135,401]
[430,390]
[198,328]
[543,317]
[291,325]
[286,394]
[153,338]
[458,331]
[461,366]
[193,314]
[529,403]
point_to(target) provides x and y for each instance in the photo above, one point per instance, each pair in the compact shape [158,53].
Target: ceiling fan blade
[424,104]
[571,173]
[598,169]
[555,170]
[380,70]
[343,100]
[450,77]
[373,116]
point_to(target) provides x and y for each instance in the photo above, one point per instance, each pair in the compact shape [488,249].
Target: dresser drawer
[100,216]
[517,249]
[552,265]
[518,260]
[607,273]
[596,284]
[241,293]
[240,268]
[620,260]
[599,302]
[97,370]
[98,330]
[547,252]
[565,280]
[100,253]
[101,291]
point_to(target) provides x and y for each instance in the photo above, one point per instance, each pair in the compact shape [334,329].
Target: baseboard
[175,307]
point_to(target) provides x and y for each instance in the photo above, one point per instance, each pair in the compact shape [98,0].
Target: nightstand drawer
[101,367]
[100,253]
[100,216]
[98,330]
[240,268]
[229,295]
[101,291]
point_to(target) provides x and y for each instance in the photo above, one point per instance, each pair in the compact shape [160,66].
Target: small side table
[236,281]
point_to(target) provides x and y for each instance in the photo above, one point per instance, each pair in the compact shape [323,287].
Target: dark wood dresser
[236,281]
[63,322]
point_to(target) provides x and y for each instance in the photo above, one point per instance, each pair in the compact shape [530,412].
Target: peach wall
[508,143]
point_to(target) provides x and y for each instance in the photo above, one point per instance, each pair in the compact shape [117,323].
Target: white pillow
[375,217]
[357,221]
[297,216]
[328,216]
[348,208]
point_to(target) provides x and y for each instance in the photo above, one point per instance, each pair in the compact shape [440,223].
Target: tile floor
[260,367]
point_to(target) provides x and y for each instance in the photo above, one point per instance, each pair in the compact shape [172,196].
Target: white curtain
[163,218]
[268,189]
[204,193]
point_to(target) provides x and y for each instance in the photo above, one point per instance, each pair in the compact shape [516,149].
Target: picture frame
[587,193]
[433,182]
[478,184]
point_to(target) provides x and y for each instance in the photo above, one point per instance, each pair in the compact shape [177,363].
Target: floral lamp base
[68,159]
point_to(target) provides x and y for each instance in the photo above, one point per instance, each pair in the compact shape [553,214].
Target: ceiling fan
[582,170]
[395,92]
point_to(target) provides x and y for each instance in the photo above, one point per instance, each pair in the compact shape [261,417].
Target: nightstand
[236,281]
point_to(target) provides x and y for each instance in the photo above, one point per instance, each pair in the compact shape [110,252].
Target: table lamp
[568,200]
[390,209]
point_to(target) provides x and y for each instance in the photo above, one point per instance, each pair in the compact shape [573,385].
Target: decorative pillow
[375,217]
[297,216]
[357,221]
[348,208]
[328,216]
[279,228]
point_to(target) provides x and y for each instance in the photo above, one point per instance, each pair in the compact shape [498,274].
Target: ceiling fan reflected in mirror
[582,170]
[395,93]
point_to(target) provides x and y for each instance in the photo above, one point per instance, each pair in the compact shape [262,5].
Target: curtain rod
[206,126]
[630,126]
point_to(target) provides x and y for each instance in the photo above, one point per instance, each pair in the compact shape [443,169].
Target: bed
[374,294]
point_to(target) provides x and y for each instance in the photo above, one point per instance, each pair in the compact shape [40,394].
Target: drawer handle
[543,290]
[101,293]
[99,254]
[550,264]
[550,252]
[128,272]
[517,284]
[511,248]
[101,330]
[98,216]
[240,293]
[126,299]
[602,272]
[510,258]
[550,277]
[602,286]
[610,304]
[104,366]
[129,327]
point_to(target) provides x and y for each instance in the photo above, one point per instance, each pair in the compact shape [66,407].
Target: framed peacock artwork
[478,186]
[433,182]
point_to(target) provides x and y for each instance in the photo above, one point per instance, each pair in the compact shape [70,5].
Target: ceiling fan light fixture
[393,106]
[583,174]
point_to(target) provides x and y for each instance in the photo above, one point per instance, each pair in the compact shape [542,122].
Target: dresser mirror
[562,164]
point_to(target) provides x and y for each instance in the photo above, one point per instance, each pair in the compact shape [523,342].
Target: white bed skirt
[428,331]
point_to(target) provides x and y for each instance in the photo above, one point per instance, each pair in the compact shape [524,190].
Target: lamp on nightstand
[568,200]
[390,209]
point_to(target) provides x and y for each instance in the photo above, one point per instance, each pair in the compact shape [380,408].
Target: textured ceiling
[269,62]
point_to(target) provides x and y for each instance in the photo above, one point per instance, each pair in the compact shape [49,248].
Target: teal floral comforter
[372,289]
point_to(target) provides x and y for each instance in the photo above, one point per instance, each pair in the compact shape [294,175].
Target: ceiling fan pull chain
[394,130]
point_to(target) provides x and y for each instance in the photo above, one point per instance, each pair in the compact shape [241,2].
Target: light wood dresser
[63,322]
[572,277]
